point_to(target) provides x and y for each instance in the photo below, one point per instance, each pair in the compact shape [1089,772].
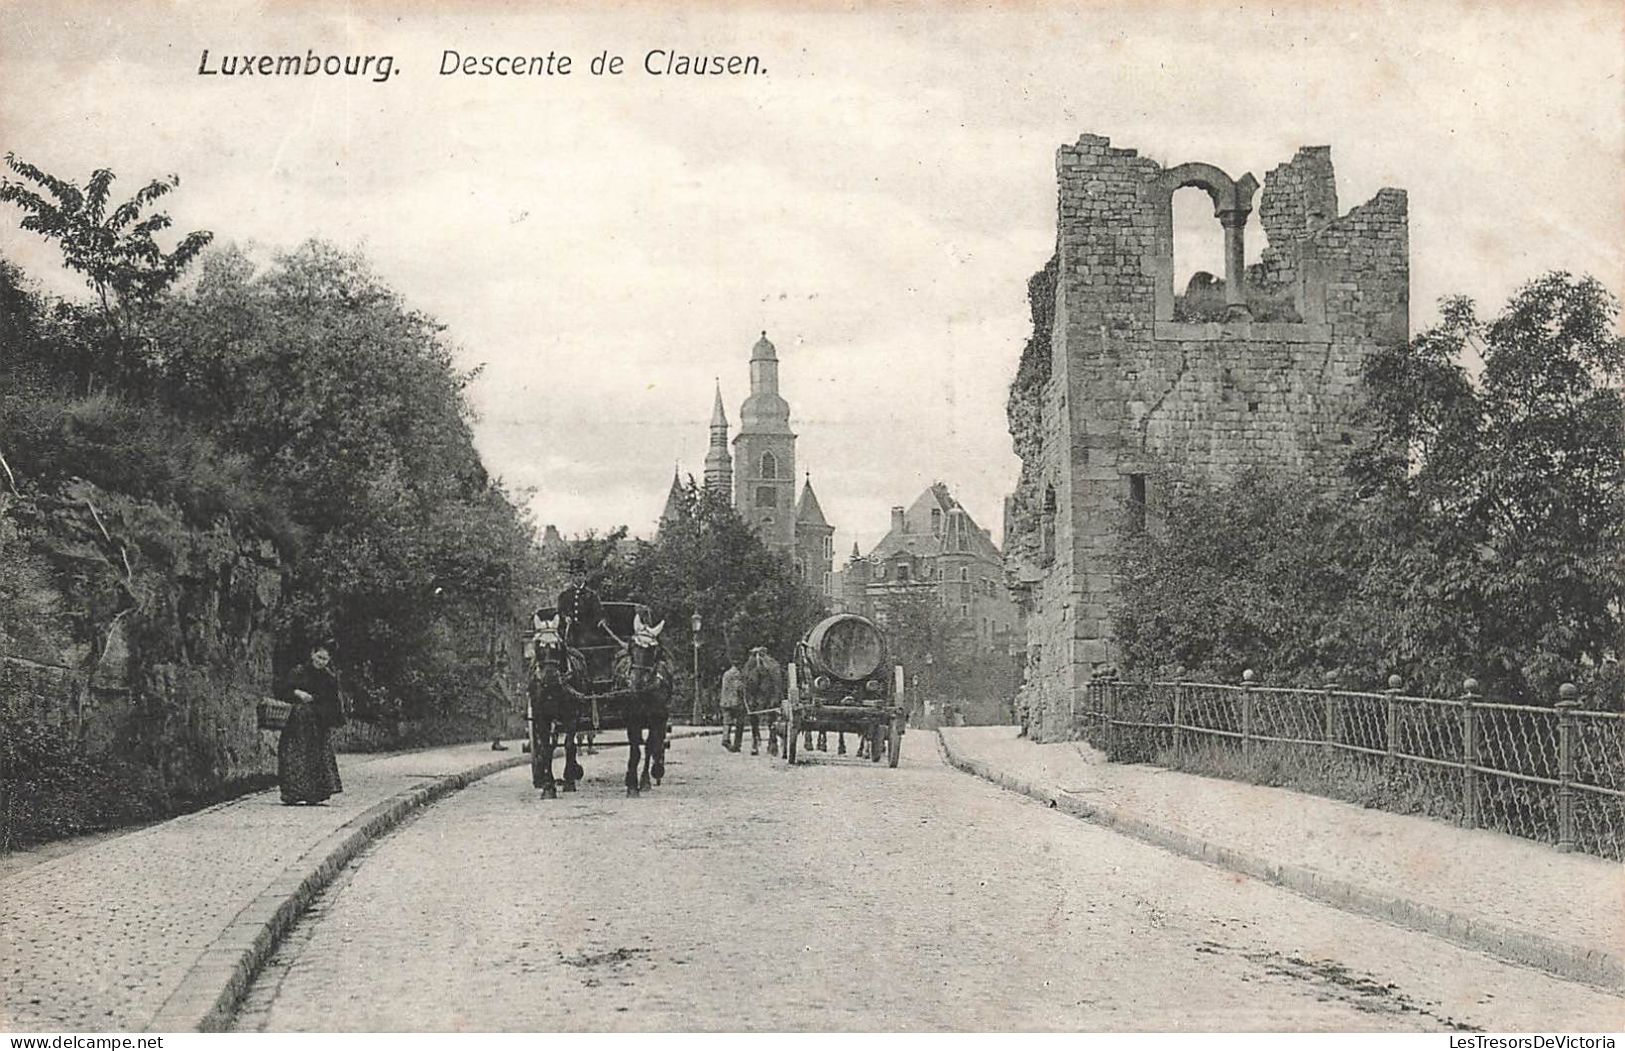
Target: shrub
[49,790]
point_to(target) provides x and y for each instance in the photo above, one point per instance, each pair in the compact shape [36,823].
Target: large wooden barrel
[847,646]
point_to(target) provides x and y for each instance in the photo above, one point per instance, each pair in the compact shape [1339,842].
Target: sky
[608,248]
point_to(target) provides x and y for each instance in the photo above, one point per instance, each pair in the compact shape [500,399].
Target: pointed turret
[676,501]
[719,465]
[719,415]
[808,513]
[815,540]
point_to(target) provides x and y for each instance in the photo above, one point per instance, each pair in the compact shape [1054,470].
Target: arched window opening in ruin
[1198,257]
[1047,527]
[770,465]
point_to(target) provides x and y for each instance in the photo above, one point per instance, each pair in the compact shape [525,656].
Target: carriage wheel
[895,743]
[538,772]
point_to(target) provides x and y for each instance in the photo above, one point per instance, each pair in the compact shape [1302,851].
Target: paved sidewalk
[153,929]
[1514,898]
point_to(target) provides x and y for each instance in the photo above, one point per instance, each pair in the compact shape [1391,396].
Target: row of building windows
[902,573]
[989,626]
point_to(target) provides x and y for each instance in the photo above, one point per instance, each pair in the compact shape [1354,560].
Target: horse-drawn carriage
[843,681]
[582,679]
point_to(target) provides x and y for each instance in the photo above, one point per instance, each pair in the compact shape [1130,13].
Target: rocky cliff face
[133,638]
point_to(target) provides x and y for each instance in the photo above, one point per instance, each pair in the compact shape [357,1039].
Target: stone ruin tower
[1126,387]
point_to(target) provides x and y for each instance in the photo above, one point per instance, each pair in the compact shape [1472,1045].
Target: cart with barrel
[842,681]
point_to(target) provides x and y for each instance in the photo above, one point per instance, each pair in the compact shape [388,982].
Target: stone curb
[207,997]
[1596,967]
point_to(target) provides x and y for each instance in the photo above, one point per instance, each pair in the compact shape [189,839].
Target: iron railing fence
[1556,775]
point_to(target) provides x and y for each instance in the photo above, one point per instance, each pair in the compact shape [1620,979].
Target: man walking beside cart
[732,700]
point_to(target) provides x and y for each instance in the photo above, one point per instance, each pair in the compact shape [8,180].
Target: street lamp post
[694,622]
[925,695]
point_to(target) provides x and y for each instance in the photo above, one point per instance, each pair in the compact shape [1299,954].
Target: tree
[114,250]
[922,639]
[1481,531]
[711,562]
[348,401]
[1264,572]
[1499,507]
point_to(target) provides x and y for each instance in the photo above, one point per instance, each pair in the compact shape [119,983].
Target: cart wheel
[792,698]
[538,775]
[877,741]
[895,743]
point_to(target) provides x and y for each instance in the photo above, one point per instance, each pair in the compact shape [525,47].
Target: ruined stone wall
[1136,401]
[1024,414]
[1299,198]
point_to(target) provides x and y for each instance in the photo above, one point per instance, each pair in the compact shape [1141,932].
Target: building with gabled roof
[935,547]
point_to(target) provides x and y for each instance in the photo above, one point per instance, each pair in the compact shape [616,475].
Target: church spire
[719,415]
[676,501]
[808,511]
[719,471]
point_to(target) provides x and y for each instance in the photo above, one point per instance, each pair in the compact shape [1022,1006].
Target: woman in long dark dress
[306,766]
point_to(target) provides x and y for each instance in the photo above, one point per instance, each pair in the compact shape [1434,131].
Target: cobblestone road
[99,936]
[746,895]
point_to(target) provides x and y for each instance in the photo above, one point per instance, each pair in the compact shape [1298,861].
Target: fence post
[1567,701]
[1391,760]
[1331,714]
[1469,756]
[1247,718]
[1108,714]
[1179,722]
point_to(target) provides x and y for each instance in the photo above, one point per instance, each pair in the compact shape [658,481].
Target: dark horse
[643,672]
[763,681]
[556,674]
